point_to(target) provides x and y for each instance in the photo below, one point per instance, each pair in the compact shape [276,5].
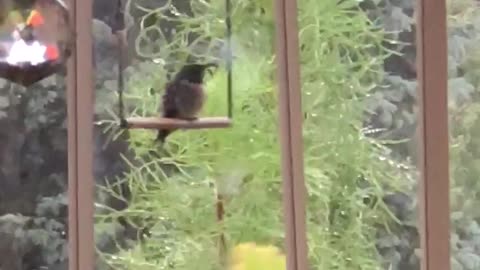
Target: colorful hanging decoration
[33,49]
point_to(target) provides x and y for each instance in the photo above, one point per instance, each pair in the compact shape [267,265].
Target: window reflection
[359,94]
[204,195]
[463,34]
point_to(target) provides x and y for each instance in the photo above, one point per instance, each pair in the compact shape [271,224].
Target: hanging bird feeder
[34,48]
[157,123]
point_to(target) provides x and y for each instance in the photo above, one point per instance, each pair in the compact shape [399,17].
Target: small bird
[184,96]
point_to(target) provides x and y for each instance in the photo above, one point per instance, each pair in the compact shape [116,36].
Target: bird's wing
[168,101]
[189,99]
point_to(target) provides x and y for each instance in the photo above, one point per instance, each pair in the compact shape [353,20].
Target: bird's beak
[209,66]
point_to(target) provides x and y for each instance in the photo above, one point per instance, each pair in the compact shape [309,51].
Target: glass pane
[204,195]
[463,105]
[33,137]
[359,91]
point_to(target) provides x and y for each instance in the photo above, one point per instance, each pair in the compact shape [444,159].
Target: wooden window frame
[434,191]
[80,100]
[433,136]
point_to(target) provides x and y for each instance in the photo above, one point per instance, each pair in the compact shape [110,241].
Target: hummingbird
[184,95]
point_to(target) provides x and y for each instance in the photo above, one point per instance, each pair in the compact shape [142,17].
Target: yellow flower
[249,256]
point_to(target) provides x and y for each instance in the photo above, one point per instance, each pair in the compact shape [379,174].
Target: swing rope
[117,28]
[120,85]
[228,22]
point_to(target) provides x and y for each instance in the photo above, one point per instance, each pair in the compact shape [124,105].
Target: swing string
[120,81]
[228,22]
[120,85]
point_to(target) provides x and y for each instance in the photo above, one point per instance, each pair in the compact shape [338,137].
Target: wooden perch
[172,123]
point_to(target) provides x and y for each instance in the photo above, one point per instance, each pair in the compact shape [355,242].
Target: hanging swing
[35,48]
[158,123]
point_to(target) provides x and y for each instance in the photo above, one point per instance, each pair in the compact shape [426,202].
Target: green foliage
[464,129]
[465,187]
[42,234]
[33,137]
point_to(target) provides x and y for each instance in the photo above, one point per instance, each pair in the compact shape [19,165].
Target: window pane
[359,91]
[33,138]
[463,104]
[175,205]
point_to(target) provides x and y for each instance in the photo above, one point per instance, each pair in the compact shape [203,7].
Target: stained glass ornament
[35,42]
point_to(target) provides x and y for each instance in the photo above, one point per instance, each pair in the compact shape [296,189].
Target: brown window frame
[291,134]
[433,195]
[80,100]
[434,191]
